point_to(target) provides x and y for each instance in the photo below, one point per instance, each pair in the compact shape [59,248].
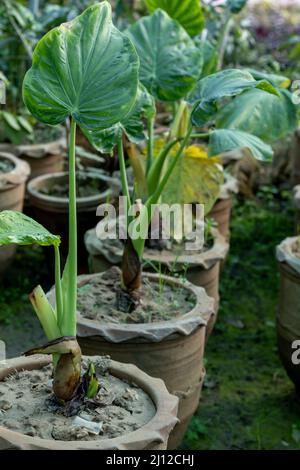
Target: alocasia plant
[170,71]
[86,71]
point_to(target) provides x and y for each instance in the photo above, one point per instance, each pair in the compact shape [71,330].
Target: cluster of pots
[172,351]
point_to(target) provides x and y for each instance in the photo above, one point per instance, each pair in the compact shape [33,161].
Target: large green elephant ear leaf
[213,88]
[170,62]
[86,69]
[267,116]
[195,179]
[225,140]
[188,13]
[17,228]
[132,125]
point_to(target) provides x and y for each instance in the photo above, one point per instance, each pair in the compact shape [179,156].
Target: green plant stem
[203,135]
[124,181]
[147,215]
[69,323]
[155,171]
[222,43]
[175,128]
[155,197]
[58,288]
[150,144]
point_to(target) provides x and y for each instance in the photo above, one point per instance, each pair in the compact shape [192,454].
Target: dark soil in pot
[125,412]
[48,195]
[164,337]
[288,318]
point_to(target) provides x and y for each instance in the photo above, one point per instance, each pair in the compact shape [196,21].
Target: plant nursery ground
[247,402]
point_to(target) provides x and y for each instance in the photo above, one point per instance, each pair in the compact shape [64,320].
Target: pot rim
[35,194]
[286,257]
[52,147]
[183,325]
[156,430]
[18,175]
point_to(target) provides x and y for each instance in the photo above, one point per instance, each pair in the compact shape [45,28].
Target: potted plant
[121,325]
[48,196]
[288,322]
[50,94]
[13,176]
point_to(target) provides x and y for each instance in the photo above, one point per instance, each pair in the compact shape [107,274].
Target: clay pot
[52,211]
[221,211]
[202,269]
[12,189]
[288,318]
[43,158]
[152,436]
[171,350]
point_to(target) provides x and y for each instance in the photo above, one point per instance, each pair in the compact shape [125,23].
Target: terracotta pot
[43,158]
[296,158]
[171,350]
[202,269]
[221,213]
[52,211]
[152,436]
[12,189]
[288,318]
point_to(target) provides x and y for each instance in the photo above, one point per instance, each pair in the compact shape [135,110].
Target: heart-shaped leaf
[225,140]
[132,124]
[170,61]
[17,228]
[211,89]
[188,13]
[267,116]
[86,69]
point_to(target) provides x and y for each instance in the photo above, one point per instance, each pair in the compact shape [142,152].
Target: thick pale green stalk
[222,43]
[156,195]
[155,171]
[147,215]
[175,131]
[150,144]
[203,135]
[45,313]
[69,318]
[124,182]
[58,289]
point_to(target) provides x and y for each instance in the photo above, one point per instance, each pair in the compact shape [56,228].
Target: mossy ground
[247,402]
